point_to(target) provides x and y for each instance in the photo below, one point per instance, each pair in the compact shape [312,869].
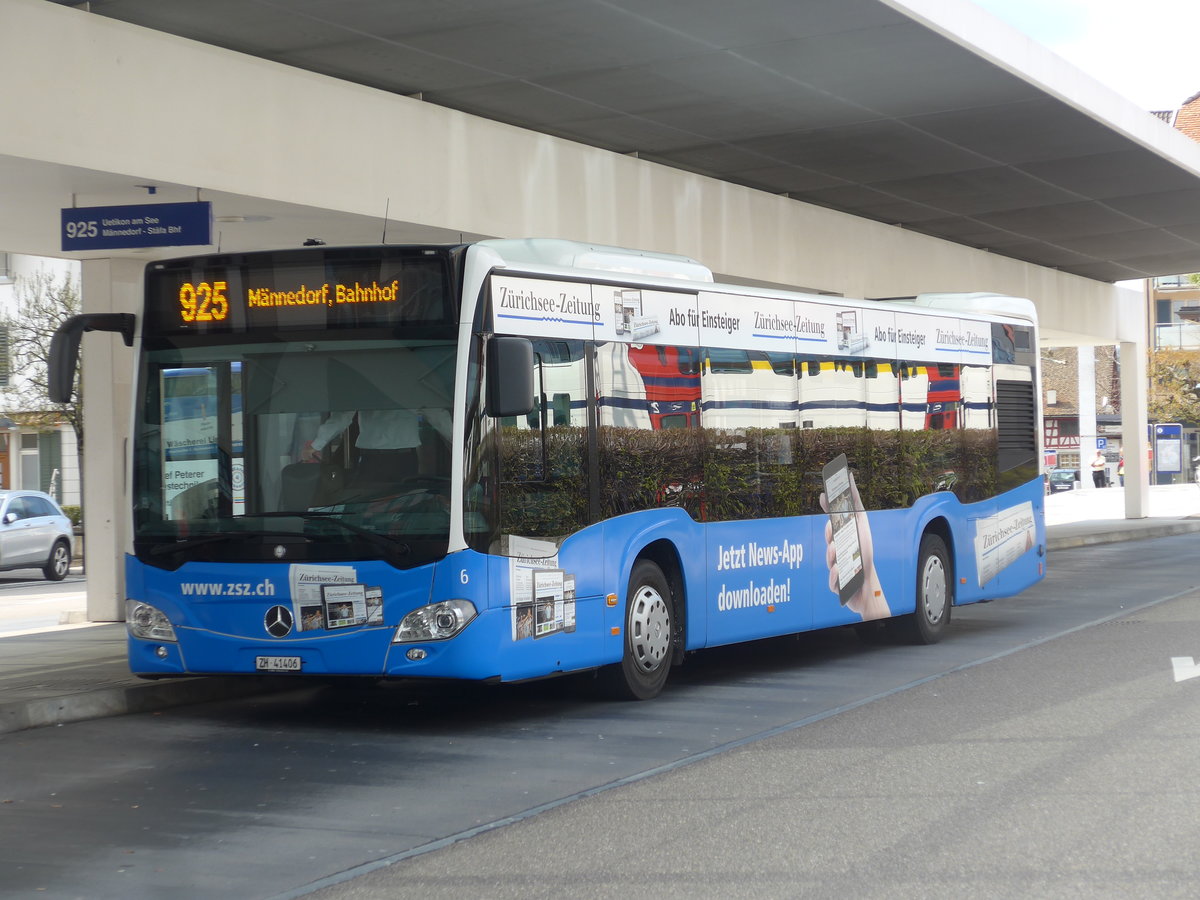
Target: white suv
[34,533]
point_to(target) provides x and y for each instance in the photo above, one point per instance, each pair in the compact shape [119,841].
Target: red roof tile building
[1186,118]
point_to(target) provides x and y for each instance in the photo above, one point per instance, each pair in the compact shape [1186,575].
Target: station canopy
[861,106]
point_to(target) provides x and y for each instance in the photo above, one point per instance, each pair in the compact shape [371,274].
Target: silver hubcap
[60,560]
[649,628]
[933,589]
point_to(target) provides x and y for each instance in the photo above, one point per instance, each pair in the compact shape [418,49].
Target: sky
[1142,49]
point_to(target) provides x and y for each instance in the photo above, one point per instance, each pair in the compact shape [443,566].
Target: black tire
[649,626]
[935,593]
[59,562]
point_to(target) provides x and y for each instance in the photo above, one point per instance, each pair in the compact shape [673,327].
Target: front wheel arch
[650,635]
[665,555]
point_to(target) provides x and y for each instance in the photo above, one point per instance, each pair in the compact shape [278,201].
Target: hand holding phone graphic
[849,551]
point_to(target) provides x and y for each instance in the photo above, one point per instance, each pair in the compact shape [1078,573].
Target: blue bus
[452,462]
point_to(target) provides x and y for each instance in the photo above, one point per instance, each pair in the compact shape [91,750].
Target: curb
[1087,539]
[135,698]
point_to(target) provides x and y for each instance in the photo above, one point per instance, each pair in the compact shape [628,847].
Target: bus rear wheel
[649,624]
[935,593]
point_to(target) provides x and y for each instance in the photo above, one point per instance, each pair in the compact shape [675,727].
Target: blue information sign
[145,225]
[1168,448]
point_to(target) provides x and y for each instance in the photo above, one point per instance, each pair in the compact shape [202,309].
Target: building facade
[38,448]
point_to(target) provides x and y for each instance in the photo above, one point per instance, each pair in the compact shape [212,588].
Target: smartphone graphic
[836,476]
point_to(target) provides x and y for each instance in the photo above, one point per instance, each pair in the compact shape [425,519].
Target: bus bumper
[484,650]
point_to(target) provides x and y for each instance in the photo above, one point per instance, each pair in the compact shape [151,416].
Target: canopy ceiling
[847,104]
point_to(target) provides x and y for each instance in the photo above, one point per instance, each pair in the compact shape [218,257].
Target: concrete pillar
[1087,414]
[108,285]
[1134,413]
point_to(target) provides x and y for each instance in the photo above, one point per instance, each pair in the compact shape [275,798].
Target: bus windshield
[319,442]
[296,407]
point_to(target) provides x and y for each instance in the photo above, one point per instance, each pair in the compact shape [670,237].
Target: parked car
[34,533]
[1063,480]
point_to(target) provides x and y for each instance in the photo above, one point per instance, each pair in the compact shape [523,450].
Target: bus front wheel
[935,593]
[649,623]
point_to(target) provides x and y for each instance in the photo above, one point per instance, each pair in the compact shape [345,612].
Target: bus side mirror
[64,348]
[509,376]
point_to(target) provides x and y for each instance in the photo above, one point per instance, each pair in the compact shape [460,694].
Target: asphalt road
[30,603]
[1067,770]
[1044,748]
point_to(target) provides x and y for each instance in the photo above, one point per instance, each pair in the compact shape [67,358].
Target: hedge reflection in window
[650,454]
[768,423]
[947,442]
[749,412]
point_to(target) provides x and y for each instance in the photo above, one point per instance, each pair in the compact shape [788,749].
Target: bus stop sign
[1168,447]
[144,225]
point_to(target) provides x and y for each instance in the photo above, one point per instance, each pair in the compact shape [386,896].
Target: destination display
[250,292]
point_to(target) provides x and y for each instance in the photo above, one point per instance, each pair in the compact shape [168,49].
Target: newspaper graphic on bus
[1002,539]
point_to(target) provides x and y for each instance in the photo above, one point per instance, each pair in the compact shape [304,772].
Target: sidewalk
[75,672]
[1097,515]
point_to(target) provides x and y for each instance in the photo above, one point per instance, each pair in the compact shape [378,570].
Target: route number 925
[203,302]
[84,229]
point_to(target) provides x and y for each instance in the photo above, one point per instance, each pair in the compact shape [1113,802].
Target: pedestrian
[1099,464]
[1121,470]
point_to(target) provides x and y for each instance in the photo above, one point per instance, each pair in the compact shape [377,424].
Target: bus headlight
[146,621]
[435,622]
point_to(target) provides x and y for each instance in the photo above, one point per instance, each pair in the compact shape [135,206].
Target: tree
[43,303]
[1175,386]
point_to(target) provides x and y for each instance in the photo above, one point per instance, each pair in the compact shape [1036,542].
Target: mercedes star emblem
[278,621]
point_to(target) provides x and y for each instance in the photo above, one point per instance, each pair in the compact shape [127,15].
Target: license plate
[277,663]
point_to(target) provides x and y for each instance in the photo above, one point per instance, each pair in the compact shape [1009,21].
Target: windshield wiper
[189,543]
[387,545]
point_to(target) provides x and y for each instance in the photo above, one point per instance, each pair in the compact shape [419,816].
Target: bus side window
[648,446]
[561,406]
[544,463]
[689,360]
[534,417]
